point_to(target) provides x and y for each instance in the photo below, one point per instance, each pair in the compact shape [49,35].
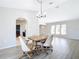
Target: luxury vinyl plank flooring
[62,49]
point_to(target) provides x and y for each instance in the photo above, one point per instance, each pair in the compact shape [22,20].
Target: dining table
[37,38]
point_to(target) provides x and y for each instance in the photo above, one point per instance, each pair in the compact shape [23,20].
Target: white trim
[8,47]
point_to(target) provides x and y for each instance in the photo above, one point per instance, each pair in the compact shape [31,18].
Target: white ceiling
[28,4]
[68,9]
[18,4]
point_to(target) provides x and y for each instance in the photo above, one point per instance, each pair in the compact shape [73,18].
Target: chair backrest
[23,45]
[48,41]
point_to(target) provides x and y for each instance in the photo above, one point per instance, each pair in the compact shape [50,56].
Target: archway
[21,24]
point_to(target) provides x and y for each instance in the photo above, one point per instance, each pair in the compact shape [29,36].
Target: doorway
[20,29]
[17,30]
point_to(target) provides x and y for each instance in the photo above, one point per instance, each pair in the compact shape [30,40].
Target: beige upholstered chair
[25,49]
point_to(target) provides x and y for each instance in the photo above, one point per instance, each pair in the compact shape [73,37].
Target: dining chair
[25,49]
[48,43]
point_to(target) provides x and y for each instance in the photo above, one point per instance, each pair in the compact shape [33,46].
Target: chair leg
[30,54]
[23,52]
[51,50]
[22,56]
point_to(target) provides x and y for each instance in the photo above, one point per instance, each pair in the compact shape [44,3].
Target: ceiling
[29,4]
[56,9]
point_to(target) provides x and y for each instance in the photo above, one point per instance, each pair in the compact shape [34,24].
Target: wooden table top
[38,37]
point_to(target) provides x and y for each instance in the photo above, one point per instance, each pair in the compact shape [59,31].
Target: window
[63,29]
[53,29]
[57,29]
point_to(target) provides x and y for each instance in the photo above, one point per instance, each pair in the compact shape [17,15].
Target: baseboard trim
[8,47]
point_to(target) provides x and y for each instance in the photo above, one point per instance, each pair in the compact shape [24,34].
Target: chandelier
[41,13]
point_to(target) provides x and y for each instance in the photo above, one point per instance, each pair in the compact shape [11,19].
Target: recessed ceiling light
[50,3]
[57,7]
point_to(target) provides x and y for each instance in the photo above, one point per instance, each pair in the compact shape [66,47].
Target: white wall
[8,25]
[72,28]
